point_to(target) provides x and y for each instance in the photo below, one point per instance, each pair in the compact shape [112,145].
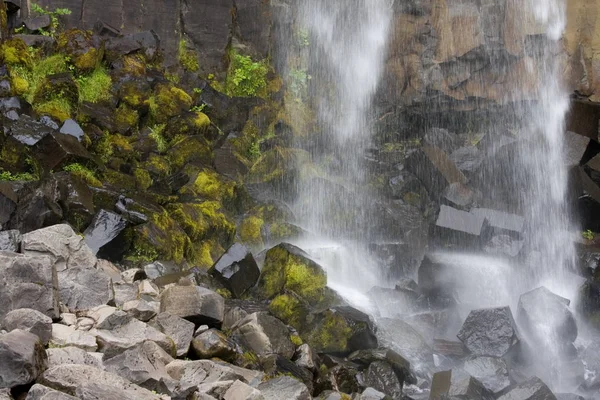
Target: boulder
[372,394]
[400,365]
[10,240]
[284,387]
[213,343]
[460,195]
[201,372]
[264,335]
[33,321]
[304,357]
[381,376]
[5,394]
[467,159]
[458,384]
[26,129]
[492,372]
[532,389]
[241,391]
[489,332]
[8,202]
[194,303]
[75,379]
[178,329]
[40,392]
[276,365]
[28,281]
[105,227]
[22,358]
[500,222]
[73,355]
[406,341]
[56,149]
[141,309]
[458,228]
[542,313]
[62,244]
[71,127]
[64,336]
[236,269]
[82,288]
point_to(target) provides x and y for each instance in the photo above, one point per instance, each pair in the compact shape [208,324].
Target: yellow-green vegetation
[202,220]
[157,165]
[226,294]
[168,101]
[187,58]
[133,65]
[96,86]
[290,309]
[126,118]
[286,269]
[84,173]
[118,179]
[189,149]
[160,237]
[20,176]
[212,186]
[296,340]
[589,235]
[15,52]
[204,254]
[142,178]
[34,73]
[53,14]
[82,48]
[59,109]
[250,231]
[132,94]
[156,135]
[330,333]
[245,77]
[201,120]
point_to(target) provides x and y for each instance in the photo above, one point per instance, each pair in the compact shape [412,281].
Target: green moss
[203,220]
[59,109]
[250,231]
[156,134]
[27,79]
[201,120]
[164,236]
[21,176]
[190,149]
[118,179]
[96,86]
[82,48]
[168,101]
[212,186]
[133,95]
[330,334]
[187,58]
[226,294]
[157,165]
[245,77]
[126,118]
[15,52]
[87,175]
[204,254]
[290,309]
[296,340]
[103,148]
[143,178]
[133,65]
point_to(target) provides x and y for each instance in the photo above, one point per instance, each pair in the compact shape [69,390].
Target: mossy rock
[207,184]
[58,86]
[157,165]
[189,124]
[126,119]
[83,48]
[119,180]
[267,223]
[204,221]
[250,232]
[291,309]
[135,93]
[204,254]
[131,65]
[15,52]
[194,150]
[162,238]
[168,101]
[288,268]
[13,154]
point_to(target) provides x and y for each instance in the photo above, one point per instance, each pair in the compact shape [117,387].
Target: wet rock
[467,159]
[10,240]
[500,222]
[276,365]
[542,312]
[72,355]
[240,391]
[84,288]
[456,383]
[575,147]
[449,348]
[442,139]
[503,245]
[392,302]
[458,228]
[489,332]
[40,392]
[213,343]
[381,376]
[194,303]
[591,357]
[406,341]
[284,387]
[492,372]
[26,129]
[71,127]
[29,320]
[227,162]
[141,309]
[400,365]
[64,336]
[372,394]
[22,358]
[532,389]
[401,259]
[178,329]
[264,335]
[105,227]
[236,269]
[73,379]
[56,149]
[8,202]
[28,281]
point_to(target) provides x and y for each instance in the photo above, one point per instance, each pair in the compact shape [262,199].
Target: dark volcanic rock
[8,202]
[381,376]
[28,131]
[492,372]
[489,332]
[457,384]
[236,269]
[500,222]
[284,387]
[22,358]
[178,329]
[544,313]
[213,343]
[105,227]
[264,335]
[55,149]
[532,389]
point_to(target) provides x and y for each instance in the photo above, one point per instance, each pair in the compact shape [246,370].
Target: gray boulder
[72,355]
[264,335]
[141,309]
[82,288]
[532,389]
[194,303]
[29,320]
[40,392]
[241,391]
[201,372]
[284,387]
[10,240]
[213,343]
[65,336]
[181,331]
[28,281]
[5,394]
[22,358]
[372,394]
[489,332]
[457,384]
[492,372]
[381,376]
[124,292]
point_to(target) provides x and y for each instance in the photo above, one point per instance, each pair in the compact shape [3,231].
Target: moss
[143,178]
[126,118]
[245,77]
[164,236]
[156,134]
[118,179]
[226,294]
[19,85]
[290,309]
[187,58]
[103,148]
[250,231]
[120,144]
[59,109]
[204,254]
[330,334]
[296,340]
[157,165]
[96,86]
[168,101]
[82,47]
[15,52]
[189,150]
[201,120]
[133,65]
[87,175]
[201,220]
[31,77]
[133,94]
[210,185]
[15,177]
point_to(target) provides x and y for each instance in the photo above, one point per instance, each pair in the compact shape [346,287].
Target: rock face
[492,372]
[264,335]
[236,269]
[194,303]
[489,332]
[22,358]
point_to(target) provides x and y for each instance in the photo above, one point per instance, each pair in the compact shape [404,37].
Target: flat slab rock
[532,389]
[284,387]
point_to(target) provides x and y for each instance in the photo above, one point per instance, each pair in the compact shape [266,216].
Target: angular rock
[276,365]
[56,149]
[542,313]
[458,384]
[84,288]
[372,394]
[64,336]
[381,376]
[72,379]
[264,335]
[213,343]
[240,391]
[458,228]
[61,243]
[459,195]
[8,202]
[492,372]
[489,332]
[532,389]
[72,355]
[201,372]
[284,387]
[10,240]
[28,281]
[406,341]
[400,365]
[29,320]
[26,130]
[40,392]
[105,227]
[304,357]
[5,394]
[467,159]
[124,292]
[236,269]
[500,222]
[503,245]
[22,358]
[71,127]
[178,329]
[568,396]
[194,303]
[141,309]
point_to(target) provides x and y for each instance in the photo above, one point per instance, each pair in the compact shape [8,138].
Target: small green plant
[246,78]
[84,173]
[188,58]
[156,134]
[197,91]
[95,86]
[298,82]
[21,176]
[199,108]
[588,235]
[54,15]
[302,38]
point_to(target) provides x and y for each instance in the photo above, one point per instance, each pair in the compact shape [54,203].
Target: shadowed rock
[492,372]
[10,240]
[489,332]
[457,383]
[22,358]
[458,228]
[284,387]
[29,320]
[194,303]
[236,269]
[105,227]
[532,389]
